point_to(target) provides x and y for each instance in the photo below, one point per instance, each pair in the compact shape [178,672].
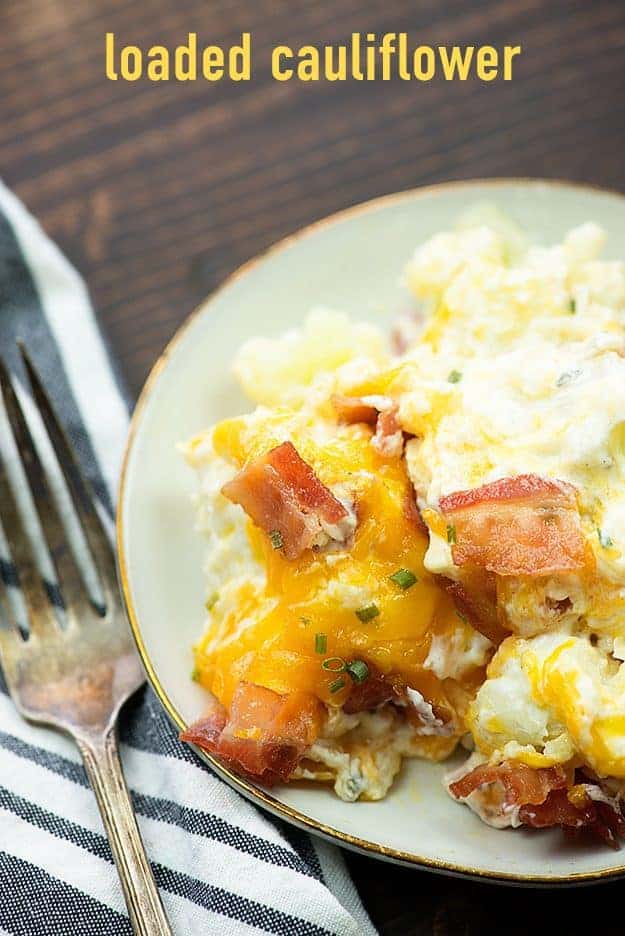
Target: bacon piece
[376,690]
[601,818]
[265,734]
[282,494]
[610,824]
[389,437]
[207,729]
[476,601]
[359,409]
[523,785]
[544,799]
[558,810]
[612,817]
[412,512]
[378,411]
[516,526]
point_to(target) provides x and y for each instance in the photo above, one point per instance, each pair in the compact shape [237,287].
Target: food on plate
[416,545]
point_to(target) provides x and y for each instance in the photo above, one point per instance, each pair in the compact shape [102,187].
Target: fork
[74,675]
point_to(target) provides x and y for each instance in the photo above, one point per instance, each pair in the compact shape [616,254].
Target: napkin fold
[222,865]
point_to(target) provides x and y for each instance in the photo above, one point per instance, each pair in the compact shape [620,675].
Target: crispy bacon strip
[516,526]
[389,437]
[412,512]
[282,494]
[376,690]
[378,411]
[610,824]
[358,409]
[264,736]
[544,799]
[602,819]
[522,784]
[476,601]
[558,810]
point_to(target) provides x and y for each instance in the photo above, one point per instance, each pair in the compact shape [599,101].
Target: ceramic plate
[351,261]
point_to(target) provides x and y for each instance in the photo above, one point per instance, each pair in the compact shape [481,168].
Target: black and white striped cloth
[222,866]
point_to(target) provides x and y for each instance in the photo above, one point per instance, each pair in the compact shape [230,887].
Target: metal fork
[75,677]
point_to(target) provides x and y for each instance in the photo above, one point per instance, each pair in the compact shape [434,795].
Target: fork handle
[104,770]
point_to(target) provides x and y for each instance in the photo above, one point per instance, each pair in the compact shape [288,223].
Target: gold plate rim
[254,793]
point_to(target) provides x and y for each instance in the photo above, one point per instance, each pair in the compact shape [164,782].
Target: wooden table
[157,191]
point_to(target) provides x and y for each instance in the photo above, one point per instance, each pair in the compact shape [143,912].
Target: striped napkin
[222,866]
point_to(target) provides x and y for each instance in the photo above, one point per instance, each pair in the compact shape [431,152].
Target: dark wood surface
[157,191]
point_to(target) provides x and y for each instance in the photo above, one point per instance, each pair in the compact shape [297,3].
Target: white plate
[352,261]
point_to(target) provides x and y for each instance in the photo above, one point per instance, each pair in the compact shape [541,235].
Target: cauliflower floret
[507,720]
[279,371]
[437,262]
[550,696]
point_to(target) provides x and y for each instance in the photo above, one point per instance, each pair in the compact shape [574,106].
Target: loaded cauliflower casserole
[417,543]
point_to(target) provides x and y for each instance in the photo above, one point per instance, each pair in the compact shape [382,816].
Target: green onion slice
[368,613]
[212,601]
[337,685]
[321,643]
[358,670]
[334,665]
[404,578]
[455,376]
[276,539]
[604,539]
[451,533]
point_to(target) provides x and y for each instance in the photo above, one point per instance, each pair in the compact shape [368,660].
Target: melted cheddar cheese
[267,634]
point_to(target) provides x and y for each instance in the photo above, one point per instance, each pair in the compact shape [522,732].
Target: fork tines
[74,593]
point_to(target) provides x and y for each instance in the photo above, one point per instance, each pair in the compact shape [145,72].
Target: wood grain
[156,192]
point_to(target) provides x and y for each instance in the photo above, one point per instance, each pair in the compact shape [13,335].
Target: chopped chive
[604,539]
[195,674]
[334,665]
[454,376]
[451,533]
[306,620]
[368,613]
[276,539]
[567,377]
[358,670]
[212,601]
[337,685]
[404,578]
[572,306]
[462,617]
[321,643]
